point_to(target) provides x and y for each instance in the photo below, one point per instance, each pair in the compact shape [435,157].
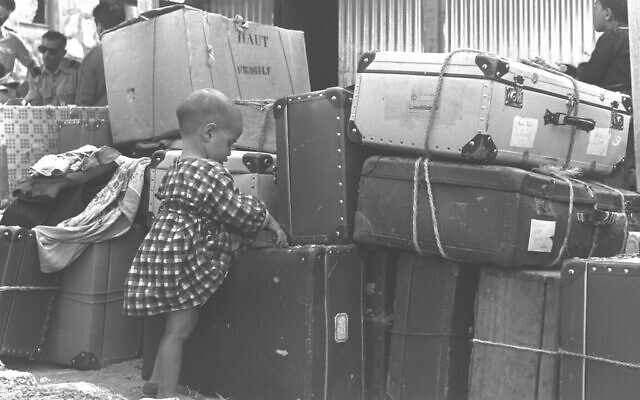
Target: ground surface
[50,382]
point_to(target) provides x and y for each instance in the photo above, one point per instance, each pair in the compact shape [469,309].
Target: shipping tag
[524,132]
[598,142]
[541,236]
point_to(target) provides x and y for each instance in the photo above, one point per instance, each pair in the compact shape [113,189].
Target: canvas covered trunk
[88,329]
[154,62]
[285,324]
[599,329]
[490,214]
[519,308]
[489,109]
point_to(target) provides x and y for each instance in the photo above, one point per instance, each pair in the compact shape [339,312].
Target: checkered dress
[188,250]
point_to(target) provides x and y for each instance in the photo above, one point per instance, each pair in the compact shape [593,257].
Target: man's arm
[33,96]
[87,81]
[593,71]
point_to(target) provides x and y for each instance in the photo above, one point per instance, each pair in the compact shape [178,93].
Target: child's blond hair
[205,106]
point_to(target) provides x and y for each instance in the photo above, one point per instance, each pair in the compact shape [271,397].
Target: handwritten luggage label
[541,236]
[524,132]
[598,142]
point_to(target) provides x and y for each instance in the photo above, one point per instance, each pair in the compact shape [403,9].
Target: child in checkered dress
[202,226]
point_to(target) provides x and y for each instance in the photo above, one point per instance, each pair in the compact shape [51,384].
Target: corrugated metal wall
[556,30]
[366,25]
[260,11]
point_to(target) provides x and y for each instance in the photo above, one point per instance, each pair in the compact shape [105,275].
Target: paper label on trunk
[420,103]
[524,132]
[541,236]
[598,142]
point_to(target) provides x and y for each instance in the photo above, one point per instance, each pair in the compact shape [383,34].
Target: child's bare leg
[154,374]
[178,327]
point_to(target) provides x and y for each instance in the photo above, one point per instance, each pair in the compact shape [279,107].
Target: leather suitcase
[431,333]
[253,173]
[88,329]
[26,294]
[490,109]
[285,324]
[488,213]
[516,308]
[73,133]
[318,167]
[599,326]
[380,282]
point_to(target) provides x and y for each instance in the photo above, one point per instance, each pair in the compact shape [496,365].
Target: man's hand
[34,70]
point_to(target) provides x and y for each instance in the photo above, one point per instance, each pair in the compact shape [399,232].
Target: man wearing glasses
[56,85]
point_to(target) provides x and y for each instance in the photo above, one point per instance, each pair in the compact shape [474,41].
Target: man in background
[56,85]
[92,89]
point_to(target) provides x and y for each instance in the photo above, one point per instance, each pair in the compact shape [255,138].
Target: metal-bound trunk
[318,167]
[488,110]
[285,324]
[599,329]
[488,213]
[26,294]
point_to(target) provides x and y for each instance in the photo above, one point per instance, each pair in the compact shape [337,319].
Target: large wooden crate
[515,308]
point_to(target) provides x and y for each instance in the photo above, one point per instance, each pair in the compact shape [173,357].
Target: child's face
[219,147]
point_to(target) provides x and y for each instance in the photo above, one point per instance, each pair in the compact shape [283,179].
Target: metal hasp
[513,96]
[585,124]
[481,148]
[617,120]
[258,163]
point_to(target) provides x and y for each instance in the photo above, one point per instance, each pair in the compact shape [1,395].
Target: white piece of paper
[541,236]
[598,142]
[524,132]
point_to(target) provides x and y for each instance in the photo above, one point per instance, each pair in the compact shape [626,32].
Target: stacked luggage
[429,212]
[490,171]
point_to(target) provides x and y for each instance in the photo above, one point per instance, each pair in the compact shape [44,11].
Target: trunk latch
[617,120]
[514,94]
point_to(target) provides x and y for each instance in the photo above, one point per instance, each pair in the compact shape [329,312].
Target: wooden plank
[634,47]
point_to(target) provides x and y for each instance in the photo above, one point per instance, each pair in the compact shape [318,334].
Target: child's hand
[281,235]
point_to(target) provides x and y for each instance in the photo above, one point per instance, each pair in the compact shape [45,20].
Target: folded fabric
[33,208]
[50,186]
[110,214]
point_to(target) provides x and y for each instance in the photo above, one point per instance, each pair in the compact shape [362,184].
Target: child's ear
[209,130]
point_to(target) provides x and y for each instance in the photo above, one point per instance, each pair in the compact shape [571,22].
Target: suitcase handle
[601,217]
[585,124]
